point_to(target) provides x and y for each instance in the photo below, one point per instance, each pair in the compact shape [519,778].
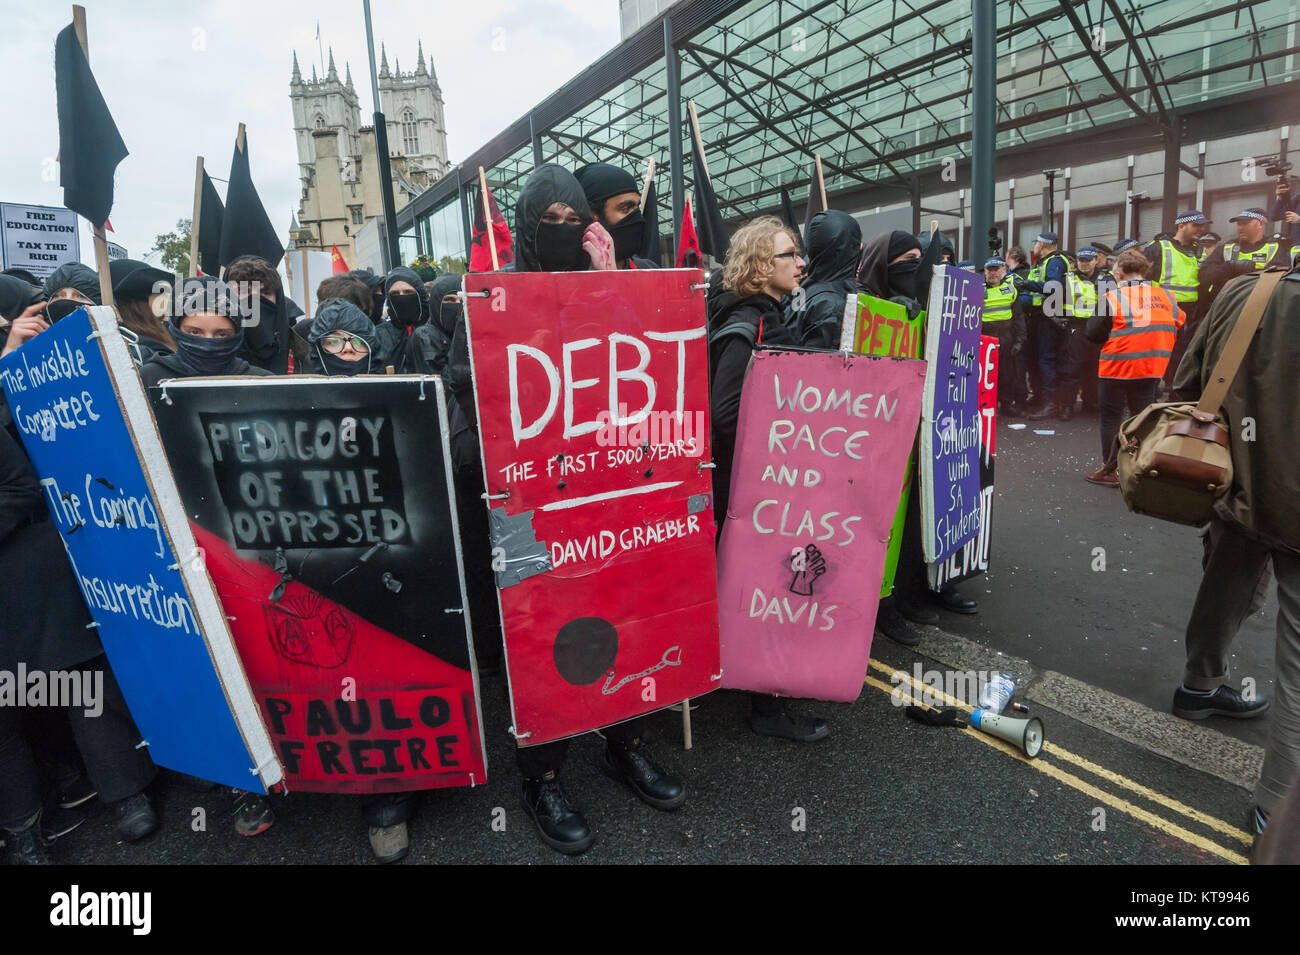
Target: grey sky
[179,78]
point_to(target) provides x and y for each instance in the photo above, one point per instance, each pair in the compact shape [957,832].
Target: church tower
[324,104]
[412,105]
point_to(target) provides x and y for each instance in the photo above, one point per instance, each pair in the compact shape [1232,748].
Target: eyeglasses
[334,344]
[788,255]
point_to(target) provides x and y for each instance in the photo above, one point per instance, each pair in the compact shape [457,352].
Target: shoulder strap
[1234,350]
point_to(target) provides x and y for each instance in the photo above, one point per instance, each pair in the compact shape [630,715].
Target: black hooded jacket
[15,296]
[420,349]
[341,316]
[873,273]
[74,275]
[834,247]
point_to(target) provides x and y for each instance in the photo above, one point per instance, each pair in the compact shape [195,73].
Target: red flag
[336,259]
[688,250]
[480,254]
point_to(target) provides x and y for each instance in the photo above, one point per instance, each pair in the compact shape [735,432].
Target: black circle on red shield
[585,649]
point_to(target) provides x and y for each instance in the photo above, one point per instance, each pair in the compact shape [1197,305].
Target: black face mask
[207,356]
[628,235]
[269,310]
[448,316]
[377,308]
[559,247]
[335,365]
[405,310]
[60,308]
[902,277]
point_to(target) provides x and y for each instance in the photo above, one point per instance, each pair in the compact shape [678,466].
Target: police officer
[1079,368]
[1176,261]
[1004,320]
[1042,295]
[1251,252]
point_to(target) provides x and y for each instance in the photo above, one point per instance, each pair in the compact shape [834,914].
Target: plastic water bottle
[997,692]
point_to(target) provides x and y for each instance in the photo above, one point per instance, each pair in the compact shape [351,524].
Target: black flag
[90,146]
[787,213]
[714,238]
[814,197]
[246,228]
[211,215]
[650,241]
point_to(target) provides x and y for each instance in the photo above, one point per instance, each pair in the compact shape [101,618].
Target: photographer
[1286,210]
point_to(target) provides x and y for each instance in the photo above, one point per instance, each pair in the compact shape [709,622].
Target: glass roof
[880,89]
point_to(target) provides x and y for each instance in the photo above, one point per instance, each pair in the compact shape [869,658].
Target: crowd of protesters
[1100,326]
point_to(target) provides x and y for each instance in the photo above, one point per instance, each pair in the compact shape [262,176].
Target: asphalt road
[881,789]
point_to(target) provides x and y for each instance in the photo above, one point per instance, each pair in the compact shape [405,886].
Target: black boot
[1048,410]
[771,716]
[25,845]
[560,826]
[632,763]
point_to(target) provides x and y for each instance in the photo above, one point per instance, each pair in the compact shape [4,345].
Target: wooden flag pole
[699,142]
[194,221]
[487,218]
[649,178]
[97,229]
[306,288]
[821,182]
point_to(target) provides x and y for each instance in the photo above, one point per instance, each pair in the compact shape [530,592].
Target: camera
[1276,167]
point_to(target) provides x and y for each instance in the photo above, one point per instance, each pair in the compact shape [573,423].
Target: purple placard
[950,418]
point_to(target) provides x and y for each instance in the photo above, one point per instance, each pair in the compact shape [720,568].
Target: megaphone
[1026,734]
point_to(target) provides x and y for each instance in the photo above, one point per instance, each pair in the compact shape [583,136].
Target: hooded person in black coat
[555,231]
[834,249]
[894,267]
[206,325]
[409,339]
[76,276]
[332,341]
[48,628]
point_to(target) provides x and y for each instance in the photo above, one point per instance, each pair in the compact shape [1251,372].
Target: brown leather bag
[1174,459]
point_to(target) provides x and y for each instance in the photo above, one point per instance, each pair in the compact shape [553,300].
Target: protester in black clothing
[206,325]
[744,313]
[816,310]
[141,294]
[376,285]
[408,339]
[615,199]
[341,341]
[267,343]
[47,628]
[555,231]
[894,268]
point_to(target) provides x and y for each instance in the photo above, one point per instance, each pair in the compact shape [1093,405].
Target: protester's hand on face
[25,327]
[600,246]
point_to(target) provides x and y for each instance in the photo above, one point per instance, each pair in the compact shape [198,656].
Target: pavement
[1096,653]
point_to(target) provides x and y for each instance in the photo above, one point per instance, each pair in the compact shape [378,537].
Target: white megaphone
[1024,733]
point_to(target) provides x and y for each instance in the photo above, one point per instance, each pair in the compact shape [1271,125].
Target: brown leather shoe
[1104,475]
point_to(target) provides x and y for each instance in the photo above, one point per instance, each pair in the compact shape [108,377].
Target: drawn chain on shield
[585,650]
[808,564]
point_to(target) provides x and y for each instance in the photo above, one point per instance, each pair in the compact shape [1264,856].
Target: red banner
[592,394]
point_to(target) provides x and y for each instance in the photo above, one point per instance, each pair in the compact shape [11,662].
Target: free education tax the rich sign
[81,411]
[327,523]
[592,396]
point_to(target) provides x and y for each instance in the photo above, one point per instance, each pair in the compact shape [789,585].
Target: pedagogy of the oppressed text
[60,364]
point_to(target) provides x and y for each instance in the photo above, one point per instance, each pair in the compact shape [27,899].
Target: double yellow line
[902,679]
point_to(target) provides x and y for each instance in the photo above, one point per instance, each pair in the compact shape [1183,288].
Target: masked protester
[142,294]
[816,312]
[208,331]
[267,340]
[894,267]
[67,289]
[615,198]
[555,231]
[73,280]
[341,341]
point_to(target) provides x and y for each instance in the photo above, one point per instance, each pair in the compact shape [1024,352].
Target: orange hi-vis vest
[1145,321]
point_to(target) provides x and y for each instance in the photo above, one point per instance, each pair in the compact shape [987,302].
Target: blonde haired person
[763,266]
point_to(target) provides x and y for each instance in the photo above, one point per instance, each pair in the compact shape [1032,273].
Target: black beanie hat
[900,242]
[600,181]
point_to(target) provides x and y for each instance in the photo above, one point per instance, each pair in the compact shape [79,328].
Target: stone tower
[412,105]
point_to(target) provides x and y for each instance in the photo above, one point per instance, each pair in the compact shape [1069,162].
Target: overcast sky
[180,76]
